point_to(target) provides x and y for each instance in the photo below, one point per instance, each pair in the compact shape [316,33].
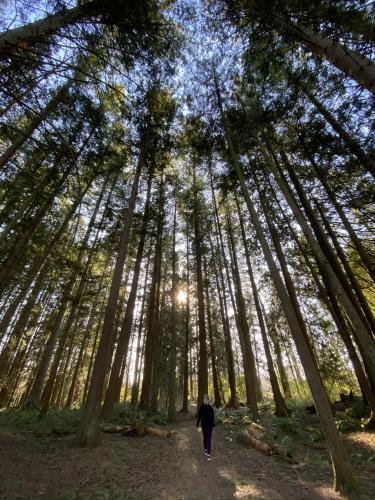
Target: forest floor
[135,468]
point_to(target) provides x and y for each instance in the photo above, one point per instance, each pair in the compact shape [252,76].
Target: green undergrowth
[128,415]
[56,422]
[66,421]
[299,435]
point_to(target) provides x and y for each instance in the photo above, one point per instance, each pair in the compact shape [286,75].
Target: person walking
[206,417]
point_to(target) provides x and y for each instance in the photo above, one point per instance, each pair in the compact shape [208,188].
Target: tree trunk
[155,388]
[152,327]
[211,336]
[281,409]
[185,398]
[172,361]
[352,64]
[10,347]
[333,306]
[351,144]
[349,272]
[34,123]
[329,275]
[137,367]
[203,362]
[249,360]
[39,261]
[367,259]
[114,385]
[344,478]
[368,322]
[223,303]
[89,430]
[20,39]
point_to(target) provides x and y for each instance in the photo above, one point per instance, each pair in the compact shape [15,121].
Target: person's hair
[205,399]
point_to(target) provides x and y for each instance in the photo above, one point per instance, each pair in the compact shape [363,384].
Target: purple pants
[207,434]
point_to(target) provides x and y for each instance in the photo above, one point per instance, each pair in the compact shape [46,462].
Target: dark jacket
[206,416]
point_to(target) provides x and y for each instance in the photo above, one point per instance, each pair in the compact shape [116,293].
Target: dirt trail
[125,468]
[200,478]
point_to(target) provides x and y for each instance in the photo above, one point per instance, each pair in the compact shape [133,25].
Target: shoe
[208,457]
[206,453]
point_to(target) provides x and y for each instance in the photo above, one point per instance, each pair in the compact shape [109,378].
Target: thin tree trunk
[367,321]
[89,430]
[39,261]
[20,39]
[224,307]
[215,378]
[249,359]
[153,319]
[185,398]
[81,354]
[333,306]
[357,67]
[114,386]
[172,361]
[203,362]
[281,409]
[16,334]
[137,368]
[329,275]
[352,145]
[344,478]
[367,259]
[349,272]
[34,123]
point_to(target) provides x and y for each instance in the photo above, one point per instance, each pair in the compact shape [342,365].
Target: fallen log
[116,429]
[245,438]
[268,449]
[153,431]
[139,429]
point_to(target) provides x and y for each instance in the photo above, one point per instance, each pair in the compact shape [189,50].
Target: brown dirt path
[150,468]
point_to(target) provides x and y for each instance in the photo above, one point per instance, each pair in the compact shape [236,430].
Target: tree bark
[281,409]
[89,429]
[137,367]
[211,336]
[349,272]
[153,320]
[329,275]
[19,39]
[344,478]
[185,398]
[223,301]
[249,360]
[173,354]
[367,259]
[34,123]
[351,144]
[352,64]
[114,386]
[198,240]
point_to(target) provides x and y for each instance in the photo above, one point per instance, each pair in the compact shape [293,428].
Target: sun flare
[181,296]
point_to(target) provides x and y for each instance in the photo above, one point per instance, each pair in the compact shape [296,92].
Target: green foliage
[55,422]
[125,414]
[349,424]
